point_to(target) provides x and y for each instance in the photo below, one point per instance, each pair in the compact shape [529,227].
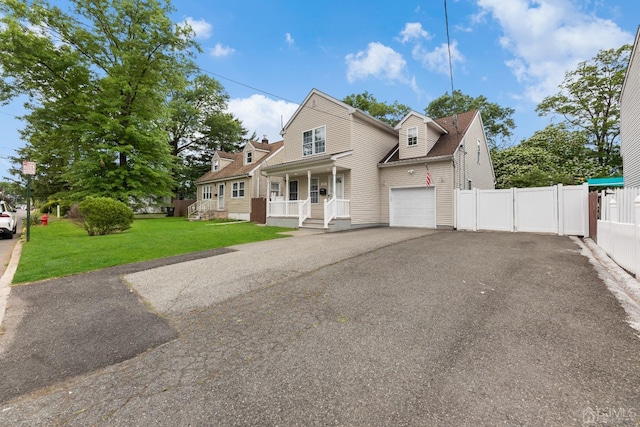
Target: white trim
[313,141]
[415,144]
[238,189]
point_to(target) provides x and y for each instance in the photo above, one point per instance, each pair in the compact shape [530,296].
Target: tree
[200,125]
[97,80]
[589,100]
[497,120]
[390,114]
[554,155]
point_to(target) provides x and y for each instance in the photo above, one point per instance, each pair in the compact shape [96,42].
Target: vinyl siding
[419,150]
[318,111]
[481,174]
[441,176]
[370,145]
[238,205]
[630,121]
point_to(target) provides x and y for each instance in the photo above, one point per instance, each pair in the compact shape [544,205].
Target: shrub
[103,215]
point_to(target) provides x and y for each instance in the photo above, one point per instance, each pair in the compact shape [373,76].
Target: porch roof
[315,164]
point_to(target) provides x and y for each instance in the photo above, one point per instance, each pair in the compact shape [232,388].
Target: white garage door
[412,207]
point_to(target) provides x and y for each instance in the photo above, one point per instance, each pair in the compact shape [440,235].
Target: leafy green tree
[588,100]
[97,80]
[390,114]
[497,120]
[199,125]
[554,155]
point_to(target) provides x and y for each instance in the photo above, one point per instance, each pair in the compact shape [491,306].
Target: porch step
[314,223]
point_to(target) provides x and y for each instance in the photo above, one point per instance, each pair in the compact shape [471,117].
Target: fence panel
[618,240]
[495,210]
[624,197]
[466,209]
[574,209]
[536,209]
[258,210]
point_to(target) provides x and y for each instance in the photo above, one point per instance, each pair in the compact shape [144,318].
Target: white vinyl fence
[621,239]
[624,198]
[559,209]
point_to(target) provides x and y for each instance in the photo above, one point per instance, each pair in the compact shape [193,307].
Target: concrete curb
[621,284]
[7,278]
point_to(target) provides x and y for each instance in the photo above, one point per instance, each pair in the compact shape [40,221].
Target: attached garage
[412,207]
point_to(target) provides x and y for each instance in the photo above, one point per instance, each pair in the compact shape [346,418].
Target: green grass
[62,248]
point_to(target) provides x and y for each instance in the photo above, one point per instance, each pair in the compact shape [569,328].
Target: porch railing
[305,211]
[199,207]
[335,208]
[284,208]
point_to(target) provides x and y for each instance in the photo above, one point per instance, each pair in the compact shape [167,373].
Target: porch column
[286,187]
[268,195]
[308,185]
[333,177]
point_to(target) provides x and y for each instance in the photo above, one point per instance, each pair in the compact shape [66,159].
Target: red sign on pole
[29,168]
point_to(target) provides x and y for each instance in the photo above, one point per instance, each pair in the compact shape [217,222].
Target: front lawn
[62,248]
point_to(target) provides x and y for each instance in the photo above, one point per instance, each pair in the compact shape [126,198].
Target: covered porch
[315,194]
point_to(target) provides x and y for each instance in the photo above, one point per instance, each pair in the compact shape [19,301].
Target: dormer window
[216,165]
[412,136]
[249,156]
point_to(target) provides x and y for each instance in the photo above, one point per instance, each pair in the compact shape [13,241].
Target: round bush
[103,215]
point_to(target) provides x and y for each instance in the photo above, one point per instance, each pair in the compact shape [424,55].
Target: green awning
[613,181]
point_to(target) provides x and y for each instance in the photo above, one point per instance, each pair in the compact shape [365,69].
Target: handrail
[329,211]
[304,211]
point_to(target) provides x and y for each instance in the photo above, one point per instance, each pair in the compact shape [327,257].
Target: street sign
[29,168]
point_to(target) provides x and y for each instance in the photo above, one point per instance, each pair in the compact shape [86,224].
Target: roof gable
[237,168]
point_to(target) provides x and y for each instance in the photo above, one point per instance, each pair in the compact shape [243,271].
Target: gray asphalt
[446,328]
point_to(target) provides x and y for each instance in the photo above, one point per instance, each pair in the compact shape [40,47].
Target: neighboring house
[344,169]
[630,119]
[234,179]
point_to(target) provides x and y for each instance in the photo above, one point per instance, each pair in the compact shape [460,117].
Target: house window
[275,188]
[314,190]
[216,165]
[313,141]
[237,190]
[249,156]
[478,150]
[293,190]
[412,136]
[206,192]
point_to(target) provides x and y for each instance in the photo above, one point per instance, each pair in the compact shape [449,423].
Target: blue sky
[269,54]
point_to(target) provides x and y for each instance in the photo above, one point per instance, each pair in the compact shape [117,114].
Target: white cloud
[262,115]
[288,39]
[437,60]
[379,61]
[548,38]
[413,31]
[201,27]
[219,50]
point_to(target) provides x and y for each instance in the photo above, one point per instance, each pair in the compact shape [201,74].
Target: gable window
[237,190]
[249,156]
[314,190]
[216,165]
[478,150]
[206,192]
[412,136]
[293,190]
[313,141]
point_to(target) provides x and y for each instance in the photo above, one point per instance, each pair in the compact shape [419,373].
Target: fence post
[475,209]
[613,211]
[560,210]
[636,235]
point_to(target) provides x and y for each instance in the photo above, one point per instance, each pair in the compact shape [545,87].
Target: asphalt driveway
[447,328]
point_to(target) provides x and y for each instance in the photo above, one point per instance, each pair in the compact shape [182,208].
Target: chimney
[264,139]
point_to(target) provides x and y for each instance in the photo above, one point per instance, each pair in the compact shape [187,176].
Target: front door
[220,197]
[339,186]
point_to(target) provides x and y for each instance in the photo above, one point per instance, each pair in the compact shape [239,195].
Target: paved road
[450,328]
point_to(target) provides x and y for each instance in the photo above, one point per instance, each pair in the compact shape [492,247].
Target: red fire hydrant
[45,219]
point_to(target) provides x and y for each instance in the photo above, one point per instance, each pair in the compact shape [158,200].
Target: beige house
[630,119]
[234,179]
[342,168]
